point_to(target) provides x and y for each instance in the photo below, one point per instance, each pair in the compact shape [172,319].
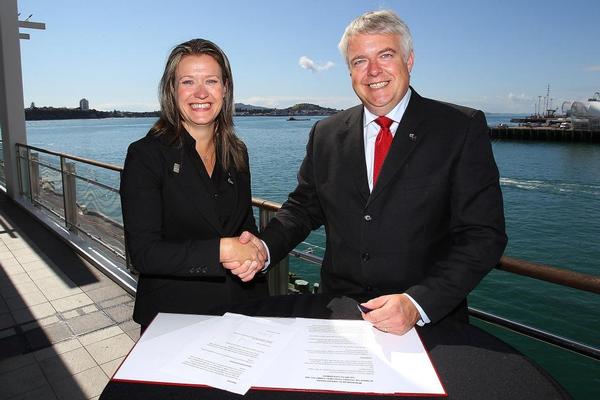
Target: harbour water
[551,193]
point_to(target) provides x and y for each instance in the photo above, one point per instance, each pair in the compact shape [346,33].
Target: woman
[185,193]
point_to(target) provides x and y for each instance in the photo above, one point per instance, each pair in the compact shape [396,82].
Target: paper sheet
[232,352]
[352,356]
[327,355]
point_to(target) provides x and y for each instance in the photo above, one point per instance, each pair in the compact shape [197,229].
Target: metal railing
[51,182]
[560,276]
[36,186]
[547,273]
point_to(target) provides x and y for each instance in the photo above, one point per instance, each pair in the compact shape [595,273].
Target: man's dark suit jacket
[173,231]
[433,225]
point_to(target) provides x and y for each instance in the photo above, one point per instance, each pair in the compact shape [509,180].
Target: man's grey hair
[378,22]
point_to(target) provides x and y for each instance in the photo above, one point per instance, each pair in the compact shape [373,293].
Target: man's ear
[411,61]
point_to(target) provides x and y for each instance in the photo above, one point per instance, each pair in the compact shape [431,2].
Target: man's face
[380,76]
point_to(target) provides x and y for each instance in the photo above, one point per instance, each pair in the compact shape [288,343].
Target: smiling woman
[185,194]
[200,93]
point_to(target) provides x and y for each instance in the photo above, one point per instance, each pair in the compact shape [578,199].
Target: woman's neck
[202,134]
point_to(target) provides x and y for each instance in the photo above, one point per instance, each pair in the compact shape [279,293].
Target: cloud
[498,103]
[593,68]
[519,98]
[309,64]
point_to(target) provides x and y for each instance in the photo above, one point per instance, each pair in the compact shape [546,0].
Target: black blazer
[173,232]
[433,225]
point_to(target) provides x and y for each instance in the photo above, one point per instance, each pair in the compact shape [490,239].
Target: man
[415,229]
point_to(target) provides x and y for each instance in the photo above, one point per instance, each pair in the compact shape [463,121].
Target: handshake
[244,256]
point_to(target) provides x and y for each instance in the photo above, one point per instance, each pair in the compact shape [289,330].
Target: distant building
[32,104]
[84,105]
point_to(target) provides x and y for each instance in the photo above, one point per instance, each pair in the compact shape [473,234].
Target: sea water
[551,197]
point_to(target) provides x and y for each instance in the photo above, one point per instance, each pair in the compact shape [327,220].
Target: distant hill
[246,107]
[296,109]
[307,107]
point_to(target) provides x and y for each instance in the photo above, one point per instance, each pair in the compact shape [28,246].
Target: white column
[12,111]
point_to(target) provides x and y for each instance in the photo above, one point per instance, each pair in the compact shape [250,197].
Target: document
[352,356]
[235,353]
[232,353]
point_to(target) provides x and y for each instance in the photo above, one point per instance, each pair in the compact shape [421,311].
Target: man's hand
[393,313]
[242,259]
[247,237]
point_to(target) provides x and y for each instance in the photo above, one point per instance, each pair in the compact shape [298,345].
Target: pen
[363,309]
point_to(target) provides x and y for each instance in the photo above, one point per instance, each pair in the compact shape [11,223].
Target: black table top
[471,363]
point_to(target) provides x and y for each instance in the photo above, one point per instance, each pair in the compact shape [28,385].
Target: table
[471,363]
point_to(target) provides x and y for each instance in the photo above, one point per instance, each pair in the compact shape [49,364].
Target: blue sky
[498,56]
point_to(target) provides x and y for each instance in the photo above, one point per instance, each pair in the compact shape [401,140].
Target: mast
[547,100]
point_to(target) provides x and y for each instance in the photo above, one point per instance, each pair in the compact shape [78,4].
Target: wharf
[544,133]
[64,326]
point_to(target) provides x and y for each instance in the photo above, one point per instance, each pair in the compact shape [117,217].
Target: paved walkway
[64,326]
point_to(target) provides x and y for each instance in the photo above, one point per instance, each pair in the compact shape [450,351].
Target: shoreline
[51,113]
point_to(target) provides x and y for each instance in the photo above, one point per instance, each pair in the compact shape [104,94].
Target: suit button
[367,218]
[365,257]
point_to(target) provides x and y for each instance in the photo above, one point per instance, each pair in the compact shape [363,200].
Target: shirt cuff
[424,318]
[268,260]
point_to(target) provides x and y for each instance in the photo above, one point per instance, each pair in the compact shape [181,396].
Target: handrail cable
[560,276]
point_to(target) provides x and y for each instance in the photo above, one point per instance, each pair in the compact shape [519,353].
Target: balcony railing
[83,196]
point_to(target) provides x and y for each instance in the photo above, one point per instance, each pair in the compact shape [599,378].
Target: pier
[544,133]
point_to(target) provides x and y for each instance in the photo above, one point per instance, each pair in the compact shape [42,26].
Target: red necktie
[382,144]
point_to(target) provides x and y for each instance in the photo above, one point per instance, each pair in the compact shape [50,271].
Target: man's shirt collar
[395,114]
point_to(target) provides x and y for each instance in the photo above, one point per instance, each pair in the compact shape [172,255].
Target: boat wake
[553,187]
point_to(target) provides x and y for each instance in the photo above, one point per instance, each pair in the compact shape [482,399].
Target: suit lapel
[192,184]
[232,178]
[353,148]
[406,139]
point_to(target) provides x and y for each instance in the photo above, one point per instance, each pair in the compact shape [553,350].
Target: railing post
[34,176]
[2,175]
[23,165]
[278,274]
[69,194]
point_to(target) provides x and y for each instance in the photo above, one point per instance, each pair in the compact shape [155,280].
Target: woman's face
[200,92]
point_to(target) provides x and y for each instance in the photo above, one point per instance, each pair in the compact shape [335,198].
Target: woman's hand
[243,260]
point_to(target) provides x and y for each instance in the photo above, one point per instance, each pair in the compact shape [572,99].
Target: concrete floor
[64,326]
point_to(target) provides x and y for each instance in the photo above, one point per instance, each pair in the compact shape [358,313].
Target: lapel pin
[412,136]
[176,168]
[229,180]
